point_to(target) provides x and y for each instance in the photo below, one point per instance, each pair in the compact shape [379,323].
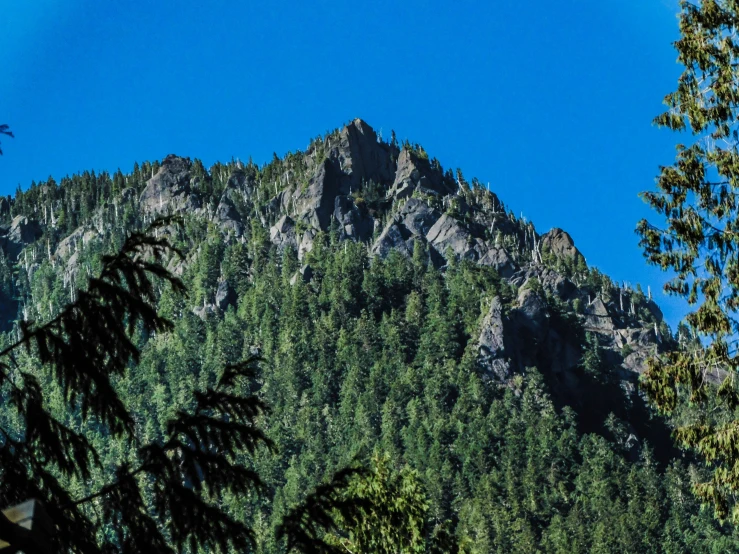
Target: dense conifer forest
[409,323]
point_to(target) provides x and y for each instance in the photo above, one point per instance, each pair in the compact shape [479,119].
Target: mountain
[403,310]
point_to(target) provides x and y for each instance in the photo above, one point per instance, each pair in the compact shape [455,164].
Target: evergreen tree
[699,242]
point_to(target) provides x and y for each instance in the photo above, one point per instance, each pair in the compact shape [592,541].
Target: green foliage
[696,196]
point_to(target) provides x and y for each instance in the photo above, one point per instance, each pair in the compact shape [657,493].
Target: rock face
[20,233]
[305,274]
[282,233]
[227,215]
[372,192]
[418,217]
[394,237]
[492,343]
[316,202]
[225,296]
[448,233]
[361,157]
[416,174]
[560,243]
[500,260]
[356,159]
[354,222]
[169,192]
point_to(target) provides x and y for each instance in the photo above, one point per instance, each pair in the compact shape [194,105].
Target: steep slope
[389,198]
[402,309]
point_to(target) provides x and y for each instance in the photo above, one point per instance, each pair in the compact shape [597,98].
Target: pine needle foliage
[5,130]
[697,197]
[170,500]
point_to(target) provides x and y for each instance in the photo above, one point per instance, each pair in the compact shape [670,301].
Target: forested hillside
[406,316]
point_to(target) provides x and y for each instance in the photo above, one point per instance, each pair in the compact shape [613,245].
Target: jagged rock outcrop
[415,173]
[169,190]
[21,232]
[225,296]
[551,281]
[418,217]
[394,237]
[560,243]
[306,243]
[354,221]
[282,233]
[491,343]
[361,157]
[227,216]
[316,203]
[448,233]
[500,260]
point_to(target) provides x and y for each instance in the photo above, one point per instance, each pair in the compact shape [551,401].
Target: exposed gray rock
[361,158]
[394,237]
[169,191]
[418,216]
[551,281]
[306,243]
[75,240]
[128,194]
[354,222]
[20,233]
[315,204]
[491,343]
[560,243]
[416,174]
[205,311]
[282,233]
[499,259]
[228,216]
[447,233]
[597,317]
[225,296]
[534,308]
[305,273]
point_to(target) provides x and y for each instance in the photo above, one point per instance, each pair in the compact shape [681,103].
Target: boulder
[306,243]
[305,274]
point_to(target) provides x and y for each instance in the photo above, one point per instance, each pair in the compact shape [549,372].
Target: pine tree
[697,197]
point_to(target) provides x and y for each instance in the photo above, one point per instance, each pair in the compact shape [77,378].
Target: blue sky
[549,102]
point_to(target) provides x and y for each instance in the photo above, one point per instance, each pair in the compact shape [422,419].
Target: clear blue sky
[549,102]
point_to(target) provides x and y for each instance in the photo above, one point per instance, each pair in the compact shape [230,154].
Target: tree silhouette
[5,130]
[168,500]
